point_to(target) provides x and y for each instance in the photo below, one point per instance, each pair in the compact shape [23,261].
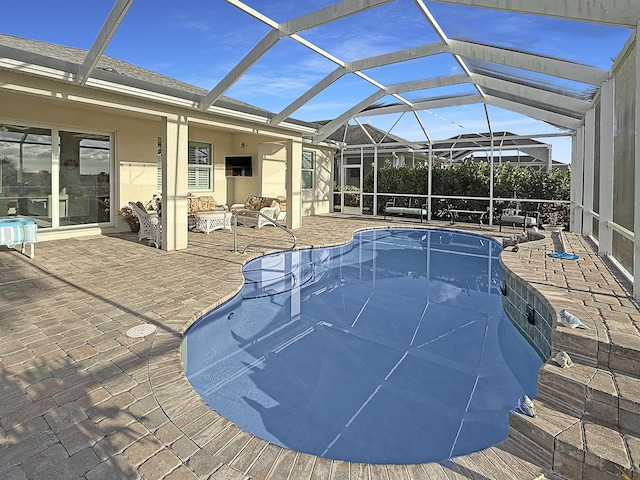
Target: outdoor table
[208,221]
[18,230]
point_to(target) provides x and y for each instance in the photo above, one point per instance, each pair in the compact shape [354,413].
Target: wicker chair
[283,207]
[247,213]
[150,225]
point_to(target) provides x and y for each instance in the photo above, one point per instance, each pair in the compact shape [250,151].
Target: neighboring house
[507,148]
[359,146]
[71,155]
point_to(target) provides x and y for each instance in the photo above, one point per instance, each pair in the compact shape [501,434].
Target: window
[238,166]
[82,175]
[200,168]
[308,165]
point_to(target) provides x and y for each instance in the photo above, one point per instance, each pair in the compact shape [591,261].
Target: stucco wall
[135,126]
[318,200]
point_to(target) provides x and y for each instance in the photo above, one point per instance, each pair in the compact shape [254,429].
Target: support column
[577,180]
[589,162]
[636,187]
[175,138]
[294,183]
[606,167]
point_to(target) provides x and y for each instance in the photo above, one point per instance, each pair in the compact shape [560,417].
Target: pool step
[610,349]
[577,446]
[608,396]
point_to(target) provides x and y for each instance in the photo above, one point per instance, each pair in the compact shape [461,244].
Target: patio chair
[282,201]
[150,225]
[515,216]
[247,213]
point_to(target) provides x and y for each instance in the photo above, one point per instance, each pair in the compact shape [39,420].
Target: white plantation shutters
[308,166]
[200,167]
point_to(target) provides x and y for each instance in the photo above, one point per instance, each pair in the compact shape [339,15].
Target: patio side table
[18,230]
[212,220]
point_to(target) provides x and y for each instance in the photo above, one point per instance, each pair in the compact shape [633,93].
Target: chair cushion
[254,202]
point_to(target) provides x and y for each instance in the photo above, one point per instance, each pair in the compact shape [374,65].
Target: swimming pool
[393,348]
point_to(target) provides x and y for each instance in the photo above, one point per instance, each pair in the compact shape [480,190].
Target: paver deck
[81,399]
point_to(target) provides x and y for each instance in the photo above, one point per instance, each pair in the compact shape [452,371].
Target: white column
[605,237]
[175,138]
[429,182]
[577,179]
[636,187]
[375,181]
[589,162]
[294,183]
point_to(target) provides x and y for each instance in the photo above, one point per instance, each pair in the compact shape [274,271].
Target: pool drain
[141,330]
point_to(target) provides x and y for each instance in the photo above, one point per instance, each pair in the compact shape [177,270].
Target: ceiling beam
[425,105]
[527,61]
[429,83]
[330,127]
[357,65]
[329,14]
[624,13]
[314,19]
[537,95]
[309,94]
[109,27]
[398,56]
[268,41]
[552,118]
[333,125]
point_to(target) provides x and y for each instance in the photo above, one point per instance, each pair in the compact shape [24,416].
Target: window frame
[311,170]
[191,167]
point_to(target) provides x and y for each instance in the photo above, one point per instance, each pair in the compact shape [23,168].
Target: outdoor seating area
[247,213]
[205,206]
[514,217]
[406,206]
[454,212]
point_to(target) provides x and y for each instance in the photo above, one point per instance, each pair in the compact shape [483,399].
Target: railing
[429,199]
[271,221]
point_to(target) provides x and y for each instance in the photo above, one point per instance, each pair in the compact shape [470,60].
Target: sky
[200,42]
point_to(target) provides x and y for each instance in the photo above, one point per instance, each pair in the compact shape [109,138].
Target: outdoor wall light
[531,314]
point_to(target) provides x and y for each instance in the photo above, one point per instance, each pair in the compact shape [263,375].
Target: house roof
[363,134]
[111,69]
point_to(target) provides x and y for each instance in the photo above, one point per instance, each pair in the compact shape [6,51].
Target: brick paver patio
[81,399]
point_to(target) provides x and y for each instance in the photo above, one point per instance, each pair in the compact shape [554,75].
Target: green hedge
[472,179]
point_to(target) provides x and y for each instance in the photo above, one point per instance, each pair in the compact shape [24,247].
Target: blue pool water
[393,348]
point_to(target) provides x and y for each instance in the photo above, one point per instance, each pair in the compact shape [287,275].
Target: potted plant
[127,213]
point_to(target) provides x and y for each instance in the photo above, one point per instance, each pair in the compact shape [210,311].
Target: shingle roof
[355,135]
[112,69]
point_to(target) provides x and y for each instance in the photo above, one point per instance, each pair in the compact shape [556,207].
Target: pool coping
[239,452]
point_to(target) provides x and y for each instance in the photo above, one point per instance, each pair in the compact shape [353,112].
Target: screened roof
[422,70]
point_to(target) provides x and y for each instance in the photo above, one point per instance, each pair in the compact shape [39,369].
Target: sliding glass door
[84,186]
[57,183]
